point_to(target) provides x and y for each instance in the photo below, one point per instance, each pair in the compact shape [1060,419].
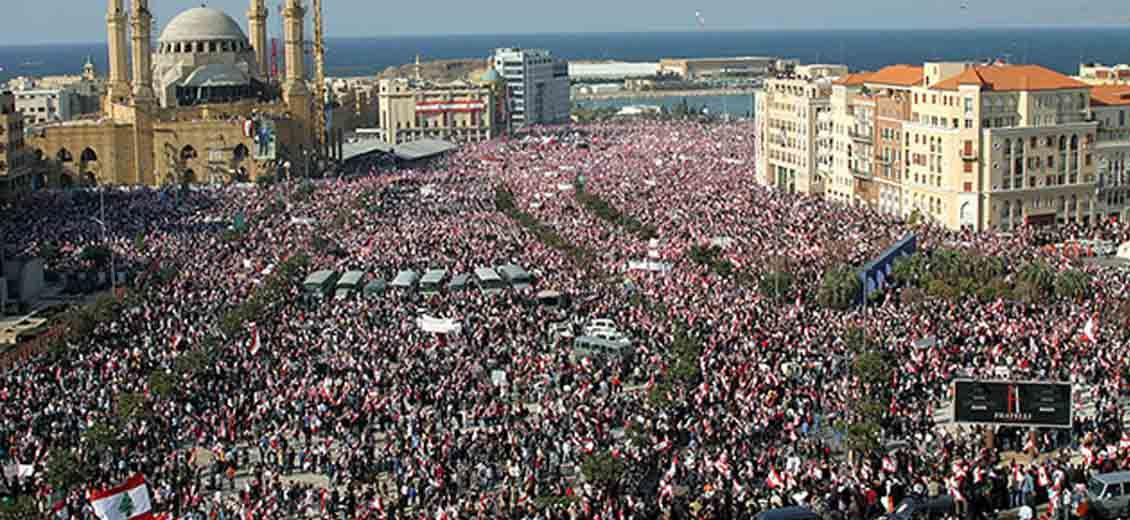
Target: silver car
[1109,494]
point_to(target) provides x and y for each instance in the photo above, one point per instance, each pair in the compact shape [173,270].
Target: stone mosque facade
[194,109]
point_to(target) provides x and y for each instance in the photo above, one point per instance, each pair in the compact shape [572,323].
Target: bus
[488,281]
[405,280]
[319,283]
[517,277]
[349,283]
[432,281]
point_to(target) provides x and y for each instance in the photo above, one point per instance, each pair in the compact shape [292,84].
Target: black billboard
[1012,403]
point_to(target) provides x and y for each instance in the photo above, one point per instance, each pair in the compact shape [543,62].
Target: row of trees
[955,274]
[711,257]
[872,368]
[609,213]
[276,287]
[504,202]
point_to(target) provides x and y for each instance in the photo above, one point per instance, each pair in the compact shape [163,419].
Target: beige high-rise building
[869,110]
[788,111]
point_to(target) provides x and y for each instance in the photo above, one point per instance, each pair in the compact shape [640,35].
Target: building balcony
[862,173]
[969,155]
[862,137]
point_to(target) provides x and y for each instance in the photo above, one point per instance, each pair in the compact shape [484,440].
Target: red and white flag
[774,481]
[129,501]
[889,465]
[255,344]
[1089,332]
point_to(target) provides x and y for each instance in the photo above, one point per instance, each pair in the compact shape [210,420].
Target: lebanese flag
[255,344]
[129,501]
[1089,333]
[774,481]
[177,338]
[889,465]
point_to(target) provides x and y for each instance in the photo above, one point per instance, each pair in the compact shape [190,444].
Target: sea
[1058,48]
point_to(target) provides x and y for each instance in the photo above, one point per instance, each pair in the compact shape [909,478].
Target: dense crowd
[348,409]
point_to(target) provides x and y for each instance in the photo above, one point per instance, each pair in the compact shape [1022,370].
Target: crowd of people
[347,408]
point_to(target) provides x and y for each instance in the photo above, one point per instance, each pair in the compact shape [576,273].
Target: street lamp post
[101,221]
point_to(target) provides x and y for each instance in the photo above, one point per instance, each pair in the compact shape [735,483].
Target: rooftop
[1010,78]
[202,23]
[1110,95]
[900,75]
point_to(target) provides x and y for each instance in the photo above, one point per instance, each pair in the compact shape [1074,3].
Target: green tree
[602,470]
[840,288]
[1072,284]
[102,435]
[95,253]
[65,470]
[131,405]
[1039,276]
[776,284]
[161,383]
[18,508]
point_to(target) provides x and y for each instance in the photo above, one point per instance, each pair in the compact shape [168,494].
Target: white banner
[18,470]
[438,326]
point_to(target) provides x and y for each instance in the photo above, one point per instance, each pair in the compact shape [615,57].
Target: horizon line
[665,31]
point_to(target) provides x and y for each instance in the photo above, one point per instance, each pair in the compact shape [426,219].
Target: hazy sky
[41,21]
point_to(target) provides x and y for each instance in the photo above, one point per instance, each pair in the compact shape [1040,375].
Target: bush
[1072,284]
[98,254]
[265,181]
[776,284]
[602,470]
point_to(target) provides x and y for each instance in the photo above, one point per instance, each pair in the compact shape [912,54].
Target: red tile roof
[1110,95]
[1005,78]
[853,80]
[900,75]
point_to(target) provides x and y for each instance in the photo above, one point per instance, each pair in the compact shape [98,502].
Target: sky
[70,21]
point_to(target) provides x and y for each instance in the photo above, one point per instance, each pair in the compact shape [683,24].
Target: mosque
[201,107]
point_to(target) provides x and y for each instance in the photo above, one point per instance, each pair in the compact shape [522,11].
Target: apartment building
[458,111]
[869,110]
[1099,74]
[15,176]
[980,146]
[537,85]
[1110,108]
[789,112]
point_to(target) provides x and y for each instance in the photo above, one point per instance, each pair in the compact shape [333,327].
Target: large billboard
[873,276]
[1012,403]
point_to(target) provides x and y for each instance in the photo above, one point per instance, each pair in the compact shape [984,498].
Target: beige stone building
[15,174]
[787,112]
[1099,74]
[459,111]
[988,146]
[197,107]
[1110,108]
